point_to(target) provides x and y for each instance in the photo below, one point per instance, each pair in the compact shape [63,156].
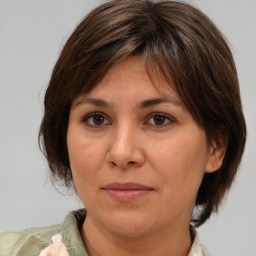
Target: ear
[217,150]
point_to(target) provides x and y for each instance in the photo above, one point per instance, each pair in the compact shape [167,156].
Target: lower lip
[127,195]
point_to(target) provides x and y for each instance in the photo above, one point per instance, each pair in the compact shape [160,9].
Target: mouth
[126,192]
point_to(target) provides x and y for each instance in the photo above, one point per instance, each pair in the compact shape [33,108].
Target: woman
[143,118]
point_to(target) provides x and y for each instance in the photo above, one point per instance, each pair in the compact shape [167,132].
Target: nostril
[113,163]
[131,162]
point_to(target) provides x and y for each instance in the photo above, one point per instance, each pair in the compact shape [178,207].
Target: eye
[96,119]
[159,119]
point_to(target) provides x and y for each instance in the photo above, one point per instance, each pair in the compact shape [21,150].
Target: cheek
[85,163]
[86,158]
[180,161]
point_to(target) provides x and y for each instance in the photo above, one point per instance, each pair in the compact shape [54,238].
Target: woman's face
[137,156]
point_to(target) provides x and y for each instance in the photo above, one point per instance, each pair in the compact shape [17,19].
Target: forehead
[131,76]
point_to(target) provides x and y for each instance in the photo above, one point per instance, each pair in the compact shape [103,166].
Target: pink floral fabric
[57,248]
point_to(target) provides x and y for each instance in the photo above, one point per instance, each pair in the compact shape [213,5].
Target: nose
[125,150]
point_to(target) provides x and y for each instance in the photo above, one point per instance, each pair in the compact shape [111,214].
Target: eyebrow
[156,101]
[143,104]
[93,101]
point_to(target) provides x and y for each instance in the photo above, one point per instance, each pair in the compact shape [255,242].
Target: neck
[100,242]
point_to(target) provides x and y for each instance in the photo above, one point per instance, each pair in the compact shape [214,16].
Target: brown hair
[180,43]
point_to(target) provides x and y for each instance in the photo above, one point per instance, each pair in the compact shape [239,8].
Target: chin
[130,225]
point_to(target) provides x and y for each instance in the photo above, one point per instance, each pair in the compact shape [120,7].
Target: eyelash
[94,114]
[167,118]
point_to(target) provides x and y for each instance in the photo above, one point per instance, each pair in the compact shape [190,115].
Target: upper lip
[126,186]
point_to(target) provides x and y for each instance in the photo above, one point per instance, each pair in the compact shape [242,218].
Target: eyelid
[146,122]
[91,114]
[170,118]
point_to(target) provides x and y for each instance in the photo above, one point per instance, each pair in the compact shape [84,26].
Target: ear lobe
[217,152]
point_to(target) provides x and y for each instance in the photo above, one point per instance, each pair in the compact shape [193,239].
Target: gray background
[32,34]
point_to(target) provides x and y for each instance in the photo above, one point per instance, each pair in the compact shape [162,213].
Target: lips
[126,192]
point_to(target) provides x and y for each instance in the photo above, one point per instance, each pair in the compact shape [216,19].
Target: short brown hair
[178,42]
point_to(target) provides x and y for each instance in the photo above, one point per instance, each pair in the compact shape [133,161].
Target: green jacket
[33,241]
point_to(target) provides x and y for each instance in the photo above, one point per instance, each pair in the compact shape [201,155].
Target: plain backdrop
[32,33]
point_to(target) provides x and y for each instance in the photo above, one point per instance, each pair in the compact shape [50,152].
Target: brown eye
[159,120]
[96,119]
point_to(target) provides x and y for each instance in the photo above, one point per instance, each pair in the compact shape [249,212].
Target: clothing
[33,241]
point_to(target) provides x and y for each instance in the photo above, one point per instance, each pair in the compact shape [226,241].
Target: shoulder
[28,242]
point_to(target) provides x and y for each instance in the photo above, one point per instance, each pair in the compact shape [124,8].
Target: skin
[132,139]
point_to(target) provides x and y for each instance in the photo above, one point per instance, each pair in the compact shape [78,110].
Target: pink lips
[126,192]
